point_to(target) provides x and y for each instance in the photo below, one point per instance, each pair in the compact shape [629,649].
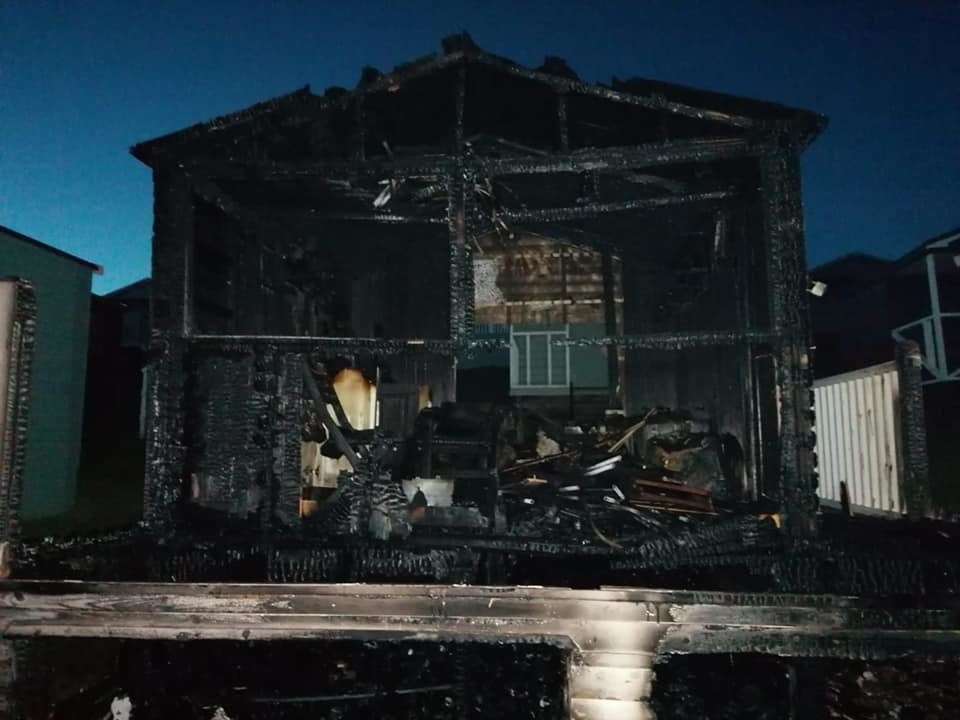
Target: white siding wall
[858,437]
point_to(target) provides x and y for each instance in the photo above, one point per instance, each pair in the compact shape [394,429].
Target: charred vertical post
[563,132]
[18,315]
[460,103]
[916,471]
[458,188]
[361,132]
[456,223]
[470,178]
[610,322]
[788,318]
[170,324]
[286,418]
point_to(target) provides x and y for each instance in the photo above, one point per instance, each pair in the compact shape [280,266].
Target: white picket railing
[858,438]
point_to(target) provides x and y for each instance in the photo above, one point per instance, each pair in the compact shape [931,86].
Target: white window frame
[516,387]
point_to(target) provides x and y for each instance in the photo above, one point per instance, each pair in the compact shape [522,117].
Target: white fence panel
[858,437]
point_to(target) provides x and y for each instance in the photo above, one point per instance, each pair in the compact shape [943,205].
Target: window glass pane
[558,360]
[520,348]
[538,360]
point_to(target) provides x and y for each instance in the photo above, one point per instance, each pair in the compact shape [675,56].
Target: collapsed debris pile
[517,473]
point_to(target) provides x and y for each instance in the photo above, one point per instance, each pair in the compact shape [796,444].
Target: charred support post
[563,134]
[360,118]
[786,278]
[286,406]
[610,328]
[916,476]
[170,309]
[589,210]
[18,315]
[457,223]
[462,212]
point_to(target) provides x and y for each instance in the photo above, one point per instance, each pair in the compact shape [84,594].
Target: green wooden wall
[59,373]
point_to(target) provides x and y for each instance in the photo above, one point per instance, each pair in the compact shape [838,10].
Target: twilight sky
[80,82]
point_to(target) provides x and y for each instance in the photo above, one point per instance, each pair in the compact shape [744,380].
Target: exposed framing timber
[589,210]
[612,637]
[392,81]
[615,158]
[563,127]
[786,278]
[619,620]
[308,220]
[658,341]
[209,191]
[295,343]
[652,102]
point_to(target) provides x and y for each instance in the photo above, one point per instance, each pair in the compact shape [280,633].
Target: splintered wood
[666,495]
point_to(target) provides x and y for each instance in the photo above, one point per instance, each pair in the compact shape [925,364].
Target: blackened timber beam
[310,220]
[391,82]
[590,210]
[657,341]
[210,192]
[619,620]
[610,159]
[249,121]
[628,157]
[680,340]
[294,343]
[652,101]
[397,166]
[613,636]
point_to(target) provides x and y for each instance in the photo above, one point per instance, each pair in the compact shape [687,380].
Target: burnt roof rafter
[589,210]
[302,107]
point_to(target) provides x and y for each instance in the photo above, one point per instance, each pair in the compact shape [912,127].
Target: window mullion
[549,359]
[527,340]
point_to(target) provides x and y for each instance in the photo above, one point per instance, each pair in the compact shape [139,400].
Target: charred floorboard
[612,638]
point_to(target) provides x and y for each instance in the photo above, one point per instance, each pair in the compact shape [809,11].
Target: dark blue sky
[82,81]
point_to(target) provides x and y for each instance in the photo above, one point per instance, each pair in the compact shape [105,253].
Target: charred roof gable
[597,114]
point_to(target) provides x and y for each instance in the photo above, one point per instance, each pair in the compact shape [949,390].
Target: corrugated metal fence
[858,437]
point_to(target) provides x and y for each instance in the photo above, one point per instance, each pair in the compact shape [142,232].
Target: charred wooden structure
[322,264]
[310,228]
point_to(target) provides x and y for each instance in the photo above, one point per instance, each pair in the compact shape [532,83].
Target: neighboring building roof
[872,264]
[940,242]
[852,260]
[98,269]
[138,290]
[458,49]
